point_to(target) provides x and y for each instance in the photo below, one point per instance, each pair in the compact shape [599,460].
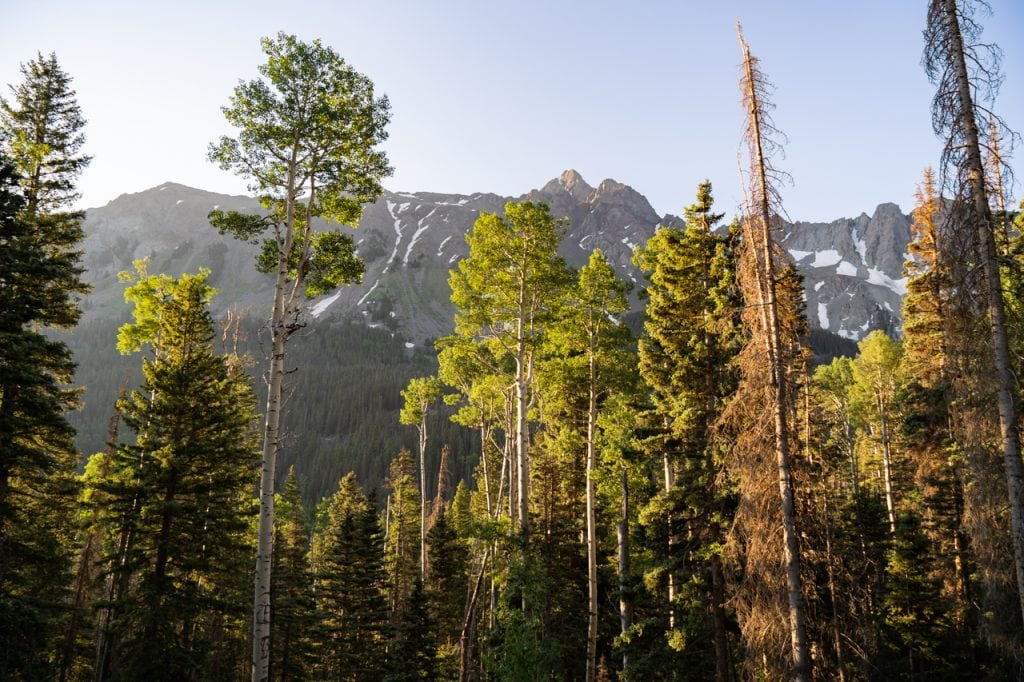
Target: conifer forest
[686,493]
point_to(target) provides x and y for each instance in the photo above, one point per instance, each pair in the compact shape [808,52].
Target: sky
[503,96]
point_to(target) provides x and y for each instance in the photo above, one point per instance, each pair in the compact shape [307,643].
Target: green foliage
[687,358]
[421,394]
[507,287]
[148,295]
[180,497]
[913,611]
[309,126]
[294,626]
[413,655]
[448,560]
[401,545]
[520,651]
[41,128]
[350,588]
[39,287]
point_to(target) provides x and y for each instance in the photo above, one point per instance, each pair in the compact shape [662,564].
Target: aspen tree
[307,136]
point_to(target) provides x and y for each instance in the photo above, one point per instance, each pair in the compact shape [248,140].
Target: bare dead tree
[967,76]
[761,137]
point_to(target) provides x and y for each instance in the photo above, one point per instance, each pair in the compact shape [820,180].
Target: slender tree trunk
[522,471]
[794,588]
[723,664]
[423,497]
[669,482]
[271,446]
[483,463]
[1009,431]
[467,636]
[890,500]
[591,528]
[836,635]
[625,604]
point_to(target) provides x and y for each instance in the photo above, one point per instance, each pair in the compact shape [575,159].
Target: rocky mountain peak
[574,184]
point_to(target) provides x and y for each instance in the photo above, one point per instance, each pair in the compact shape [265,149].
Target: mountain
[852,268]
[373,337]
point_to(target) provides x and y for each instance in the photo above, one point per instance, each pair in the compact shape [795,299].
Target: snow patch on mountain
[846,268]
[320,307]
[421,227]
[876,276]
[440,247]
[398,232]
[369,291]
[826,259]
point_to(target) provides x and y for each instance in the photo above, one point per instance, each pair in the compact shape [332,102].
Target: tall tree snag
[951,45]
[762,195]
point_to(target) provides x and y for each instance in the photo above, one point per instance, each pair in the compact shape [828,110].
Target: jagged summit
[569,182]
[410,240]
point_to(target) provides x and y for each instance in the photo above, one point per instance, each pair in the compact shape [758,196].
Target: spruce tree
[446,584]
[413,654]
[686,357]
[40,134]
[402,531]
[184,488]
[41,126]
[350,588]
[294,626]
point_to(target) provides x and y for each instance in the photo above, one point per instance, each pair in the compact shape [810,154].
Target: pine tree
[308,132]
[402,532]
[42,130]
[39,289]
[350,588]
[686,356]
[413,655]
[446,589]
[185,484]
[294,624]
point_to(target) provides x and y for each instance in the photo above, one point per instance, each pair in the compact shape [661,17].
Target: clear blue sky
[502,96]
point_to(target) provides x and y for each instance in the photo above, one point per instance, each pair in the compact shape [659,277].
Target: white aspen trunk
[423,497]
[522,471]
[591,528]
[272,430]
[669,481]
[794,588]
[1009,430]
[483,463]
[622,531]
[265,538]
[890,500]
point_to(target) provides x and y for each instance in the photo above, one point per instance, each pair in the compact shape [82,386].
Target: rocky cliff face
[410,241]
[853,270]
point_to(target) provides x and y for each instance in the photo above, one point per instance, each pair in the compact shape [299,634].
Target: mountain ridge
[409,241]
